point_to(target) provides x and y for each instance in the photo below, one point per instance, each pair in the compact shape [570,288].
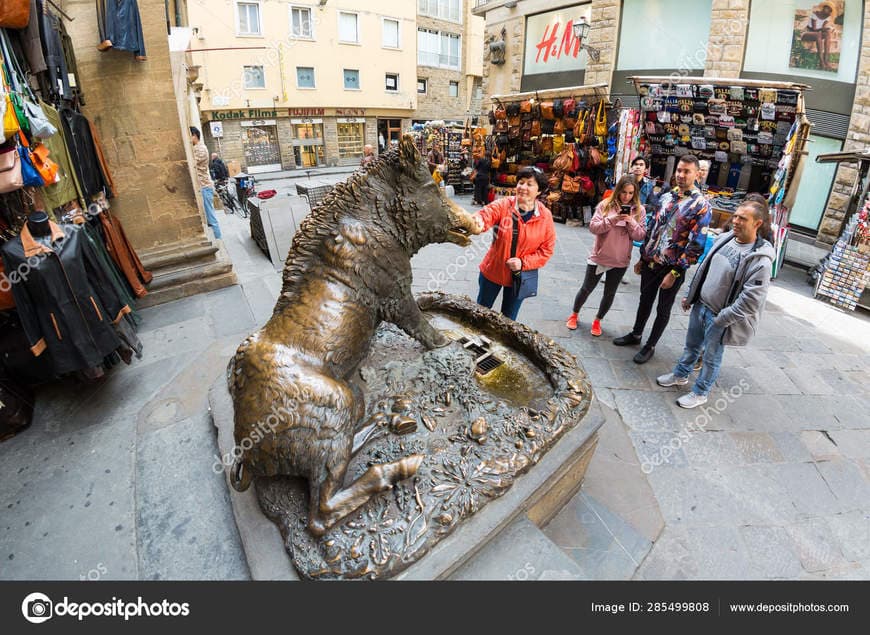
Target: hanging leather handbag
[558,108]
[14,14]
[601,120]
[10,169]
[558,127]
[569,105]
[10,119]
[547,110]
[526,105]
[47,168]
[571,184]
[513,109]
[536,128]
[29,174]
[500,112]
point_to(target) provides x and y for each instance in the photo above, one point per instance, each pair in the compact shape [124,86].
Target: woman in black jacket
[482,168]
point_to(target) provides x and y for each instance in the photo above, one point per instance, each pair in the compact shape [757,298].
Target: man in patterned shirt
[673,243]
[206,185]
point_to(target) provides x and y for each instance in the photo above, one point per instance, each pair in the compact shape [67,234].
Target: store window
[351,79]
[307,142]
[351,139]
[392,82]
[781,40]
[305,77]
[664,34]
[435,48]
[453,89]
[815,185]
[390,33]
[248,18]
[301,26]
[443,9]
[422,85]
[260,144]
[348,27]
[253,77]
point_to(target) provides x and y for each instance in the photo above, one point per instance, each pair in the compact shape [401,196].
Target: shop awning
[554,93]
[716,81]
[844,157]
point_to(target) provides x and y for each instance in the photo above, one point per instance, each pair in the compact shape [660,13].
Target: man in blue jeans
[203,177]
[727,296]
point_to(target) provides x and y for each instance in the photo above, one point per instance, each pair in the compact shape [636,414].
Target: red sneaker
[596,327]
[572,322]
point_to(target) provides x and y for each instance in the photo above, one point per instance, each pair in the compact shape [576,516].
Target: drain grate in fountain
[488,364]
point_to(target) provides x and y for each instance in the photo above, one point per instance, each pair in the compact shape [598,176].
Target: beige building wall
[436,102]
[222,52]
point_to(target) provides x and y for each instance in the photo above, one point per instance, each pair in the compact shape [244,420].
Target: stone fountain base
[504,417]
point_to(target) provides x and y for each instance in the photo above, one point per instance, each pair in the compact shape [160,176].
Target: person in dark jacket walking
[727,297]
[218,168]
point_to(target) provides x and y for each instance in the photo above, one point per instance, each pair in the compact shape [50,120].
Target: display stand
[554,130]
[753,132]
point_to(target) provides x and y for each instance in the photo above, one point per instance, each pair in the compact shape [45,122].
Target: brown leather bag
[500,112]
[571,184]
[14,14]
[547,110]
[536,128]
[565,160]
[546,145]
[558,127]
[526,105]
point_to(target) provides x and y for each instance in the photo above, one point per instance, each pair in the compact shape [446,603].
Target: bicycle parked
[228,197]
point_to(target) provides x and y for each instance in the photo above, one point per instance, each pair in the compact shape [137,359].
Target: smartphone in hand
[624,213]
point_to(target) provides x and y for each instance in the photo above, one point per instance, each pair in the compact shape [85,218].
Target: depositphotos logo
[38,608]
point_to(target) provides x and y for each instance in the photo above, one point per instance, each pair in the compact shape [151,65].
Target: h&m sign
[550,43]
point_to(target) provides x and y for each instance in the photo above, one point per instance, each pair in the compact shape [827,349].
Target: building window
[437,49]
[390,35]
[351,138]
[305,77]
[301,26]
[645,25]
[348,27]
[453,89]
[443,9]
[249,18]
[351,79]
[254,77]
[421,86]
[392,82]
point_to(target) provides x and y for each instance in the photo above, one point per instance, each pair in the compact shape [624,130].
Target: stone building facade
[840,109]
[143,129]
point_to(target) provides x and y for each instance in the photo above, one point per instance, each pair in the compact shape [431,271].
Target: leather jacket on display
[64,298]
[77,132]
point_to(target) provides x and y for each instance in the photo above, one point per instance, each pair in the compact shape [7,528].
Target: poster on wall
[550,43]
[817,36]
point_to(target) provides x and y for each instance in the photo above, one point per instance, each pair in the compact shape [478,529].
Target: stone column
[857,139]
[604,35]
[142,124]
[727,42]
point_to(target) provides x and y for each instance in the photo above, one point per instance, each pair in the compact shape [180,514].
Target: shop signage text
[550,42]
[305,112]
[252,113]
[350,112]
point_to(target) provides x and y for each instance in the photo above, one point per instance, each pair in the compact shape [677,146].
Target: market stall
[563,132]
[843,277]
[752,132]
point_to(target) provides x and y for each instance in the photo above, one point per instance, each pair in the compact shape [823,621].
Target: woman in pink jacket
[618,220]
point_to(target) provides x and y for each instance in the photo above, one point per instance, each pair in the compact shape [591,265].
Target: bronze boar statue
[348,270]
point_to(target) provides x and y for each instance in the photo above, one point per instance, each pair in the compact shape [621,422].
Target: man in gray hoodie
[727,296]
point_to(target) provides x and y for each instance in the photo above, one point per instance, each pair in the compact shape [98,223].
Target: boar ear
[409,154]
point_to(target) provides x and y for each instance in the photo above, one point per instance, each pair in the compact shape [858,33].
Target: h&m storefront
[263,140]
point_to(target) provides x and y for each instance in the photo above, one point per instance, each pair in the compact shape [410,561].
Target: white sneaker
[691,400]
[671,380]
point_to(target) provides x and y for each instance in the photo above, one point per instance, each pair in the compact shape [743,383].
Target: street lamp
[581,32]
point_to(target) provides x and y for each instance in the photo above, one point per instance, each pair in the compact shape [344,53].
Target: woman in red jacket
[524,243]
[618,220]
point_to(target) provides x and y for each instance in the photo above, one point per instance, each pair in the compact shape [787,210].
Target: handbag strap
[515,232]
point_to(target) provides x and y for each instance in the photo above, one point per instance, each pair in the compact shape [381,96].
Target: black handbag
[525,283]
